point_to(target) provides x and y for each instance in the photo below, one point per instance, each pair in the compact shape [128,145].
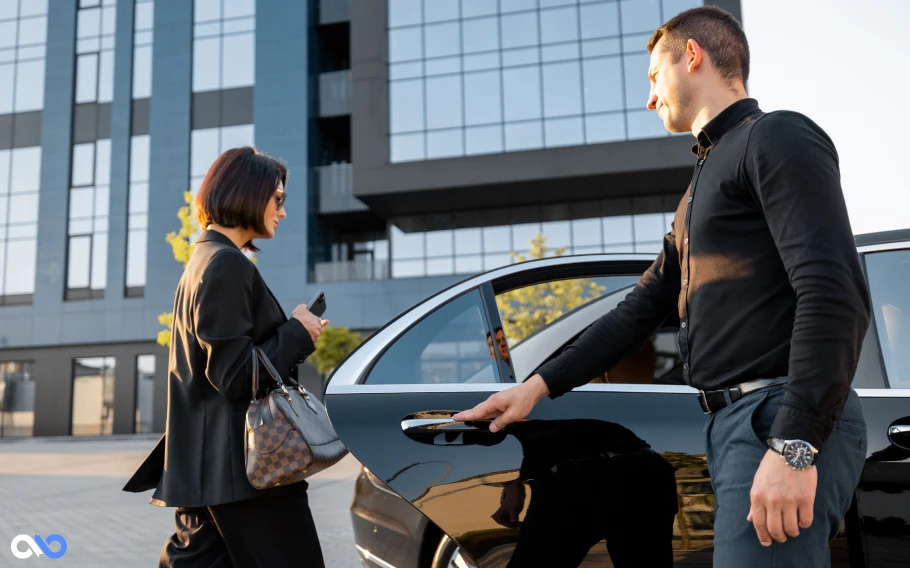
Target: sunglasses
[280,199]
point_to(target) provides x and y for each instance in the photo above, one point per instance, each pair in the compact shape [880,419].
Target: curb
[54,439]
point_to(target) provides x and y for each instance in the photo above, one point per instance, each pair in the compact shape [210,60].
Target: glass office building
[426,140]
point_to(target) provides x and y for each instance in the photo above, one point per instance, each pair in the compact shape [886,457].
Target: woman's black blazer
[222,309]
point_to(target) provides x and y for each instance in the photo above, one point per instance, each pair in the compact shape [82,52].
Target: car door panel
[883,495]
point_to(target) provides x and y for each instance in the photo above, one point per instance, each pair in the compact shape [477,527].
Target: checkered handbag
[288,433]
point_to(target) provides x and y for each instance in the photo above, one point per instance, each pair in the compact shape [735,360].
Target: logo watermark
[37,546]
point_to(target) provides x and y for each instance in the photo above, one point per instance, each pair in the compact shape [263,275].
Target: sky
[846,65]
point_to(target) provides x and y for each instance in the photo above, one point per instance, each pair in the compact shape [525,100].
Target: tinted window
[448,346]
[534,311]
[889,284]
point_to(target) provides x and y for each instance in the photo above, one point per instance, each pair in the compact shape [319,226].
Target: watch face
[798,454]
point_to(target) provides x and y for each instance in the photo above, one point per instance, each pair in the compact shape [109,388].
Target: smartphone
[317,305]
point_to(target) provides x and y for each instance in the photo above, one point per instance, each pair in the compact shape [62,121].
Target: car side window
[451,345]
[542,319]
[889,286]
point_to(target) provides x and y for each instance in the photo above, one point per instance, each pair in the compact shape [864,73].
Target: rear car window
[448,346]
[889,285]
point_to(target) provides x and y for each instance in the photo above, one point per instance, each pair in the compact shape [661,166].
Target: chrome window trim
[495,387]
[883,247]
[595,387]
[883,393]
[360,360]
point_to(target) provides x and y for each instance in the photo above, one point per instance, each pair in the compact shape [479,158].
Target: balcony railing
[335,93]
[352,270]
[334,11]
[336,192]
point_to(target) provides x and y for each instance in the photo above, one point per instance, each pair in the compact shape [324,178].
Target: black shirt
[762,268]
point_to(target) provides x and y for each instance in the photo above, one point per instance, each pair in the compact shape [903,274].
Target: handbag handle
[258,355]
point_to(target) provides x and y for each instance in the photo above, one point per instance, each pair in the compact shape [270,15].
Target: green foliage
[525,310]
[333,346]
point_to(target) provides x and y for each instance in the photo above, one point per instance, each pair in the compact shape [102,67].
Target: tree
[525,310]
[182,244]
[333,346]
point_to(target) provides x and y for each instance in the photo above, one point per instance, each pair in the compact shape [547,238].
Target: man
[762,268]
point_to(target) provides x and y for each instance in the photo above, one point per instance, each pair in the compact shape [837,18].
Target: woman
[223,309]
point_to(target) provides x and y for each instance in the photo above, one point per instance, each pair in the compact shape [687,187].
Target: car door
[883,382]
[598,466]
[610,474]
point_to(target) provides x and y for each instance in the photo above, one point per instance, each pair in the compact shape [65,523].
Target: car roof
[882,237]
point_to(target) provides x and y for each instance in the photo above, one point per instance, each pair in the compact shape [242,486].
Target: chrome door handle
[899,435]
[439,425]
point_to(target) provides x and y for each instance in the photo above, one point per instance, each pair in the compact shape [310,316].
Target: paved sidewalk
[72,488]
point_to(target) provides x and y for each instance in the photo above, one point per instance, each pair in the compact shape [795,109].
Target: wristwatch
[797,453]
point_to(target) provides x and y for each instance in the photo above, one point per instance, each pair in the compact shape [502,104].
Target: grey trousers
[736,443]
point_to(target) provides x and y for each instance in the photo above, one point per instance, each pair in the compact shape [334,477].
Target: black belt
[714,400]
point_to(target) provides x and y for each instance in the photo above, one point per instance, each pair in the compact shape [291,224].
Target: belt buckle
[703,401]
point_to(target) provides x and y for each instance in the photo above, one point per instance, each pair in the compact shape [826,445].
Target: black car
[612,468]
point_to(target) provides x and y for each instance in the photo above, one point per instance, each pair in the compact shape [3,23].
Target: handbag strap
[259,355]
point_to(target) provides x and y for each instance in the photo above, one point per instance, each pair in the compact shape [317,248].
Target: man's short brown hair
[237,190]
[716,31]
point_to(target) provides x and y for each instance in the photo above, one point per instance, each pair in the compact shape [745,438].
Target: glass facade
[224,49]
[145,392]
[86,275]
[471,77]
[93,396]
[207,144]
[143,37]
[470,251]
[23,38]
[223,44]
[137,216]
[95,30]
[17,399]
[87,229]
[20,172]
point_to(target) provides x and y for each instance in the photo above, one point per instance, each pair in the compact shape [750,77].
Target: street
[72,488]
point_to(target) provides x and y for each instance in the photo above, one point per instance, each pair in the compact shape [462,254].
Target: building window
[17,399]
[137,220]
[470,251]
[474,250]
[95,31]
[223,62]
[207,144]
[145,392]
[91,159]
[143,38]
[20,172]
[23,38]
[86,274]
[137,217]
[93,396]
[490,77]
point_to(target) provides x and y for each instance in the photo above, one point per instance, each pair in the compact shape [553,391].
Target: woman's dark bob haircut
[237,189]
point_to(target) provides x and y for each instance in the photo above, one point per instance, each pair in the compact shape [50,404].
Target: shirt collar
[727,120]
